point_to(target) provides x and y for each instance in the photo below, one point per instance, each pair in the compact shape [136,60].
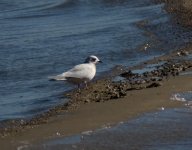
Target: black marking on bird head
[92,59]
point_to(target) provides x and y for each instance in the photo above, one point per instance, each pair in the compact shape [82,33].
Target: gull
[81,73]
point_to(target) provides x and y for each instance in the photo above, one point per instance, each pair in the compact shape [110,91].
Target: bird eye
[93,59]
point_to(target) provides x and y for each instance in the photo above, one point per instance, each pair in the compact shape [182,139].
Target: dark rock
[155,84]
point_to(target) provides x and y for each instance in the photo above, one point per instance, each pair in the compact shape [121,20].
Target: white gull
[81,73]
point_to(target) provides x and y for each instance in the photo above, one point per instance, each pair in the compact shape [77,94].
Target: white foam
[87,132]
[107,126]
[162,108]
[177,97]
[180,97]
[22,147]
[189,104]
[58,134]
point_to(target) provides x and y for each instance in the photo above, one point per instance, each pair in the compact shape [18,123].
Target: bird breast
[91,71]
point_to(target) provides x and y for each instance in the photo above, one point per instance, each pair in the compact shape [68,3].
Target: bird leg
[86,87]
[79,88]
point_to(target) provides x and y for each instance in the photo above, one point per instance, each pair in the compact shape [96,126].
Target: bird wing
[80,71]
[75,72]
[58,77]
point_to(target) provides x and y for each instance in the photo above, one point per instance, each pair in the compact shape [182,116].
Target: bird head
[92,59]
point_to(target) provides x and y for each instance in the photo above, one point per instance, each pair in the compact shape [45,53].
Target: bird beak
[100,61]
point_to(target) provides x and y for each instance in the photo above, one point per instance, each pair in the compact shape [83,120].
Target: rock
[87,101]
[155,84]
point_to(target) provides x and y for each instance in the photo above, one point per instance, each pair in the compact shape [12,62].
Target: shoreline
[106,89]
[95,115]
[84,111]
[182,10]
[115,101]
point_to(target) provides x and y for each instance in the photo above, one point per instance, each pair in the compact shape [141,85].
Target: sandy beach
[124,96]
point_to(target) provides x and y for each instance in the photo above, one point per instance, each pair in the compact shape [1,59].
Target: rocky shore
[182,10]
[152,74]
[164,67]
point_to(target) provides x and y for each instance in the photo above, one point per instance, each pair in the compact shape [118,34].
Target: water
[43,38]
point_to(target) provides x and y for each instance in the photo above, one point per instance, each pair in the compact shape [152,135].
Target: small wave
[63,4]
[29,10]
[89,132]
[26,7]
[177,97]
[183,97]
[22,147]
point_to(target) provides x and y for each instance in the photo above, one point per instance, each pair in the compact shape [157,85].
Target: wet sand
[182,10]
[165,129]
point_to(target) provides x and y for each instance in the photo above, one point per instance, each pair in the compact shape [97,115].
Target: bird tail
[57,78]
